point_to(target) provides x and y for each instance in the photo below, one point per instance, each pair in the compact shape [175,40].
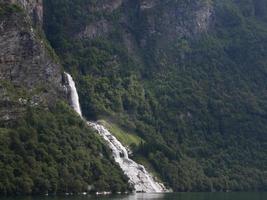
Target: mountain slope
[45,147]
[28,67]
[188,77]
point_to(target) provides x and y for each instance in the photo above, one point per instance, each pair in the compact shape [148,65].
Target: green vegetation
[198,101]
[127,139]
[55,152]
[149,167]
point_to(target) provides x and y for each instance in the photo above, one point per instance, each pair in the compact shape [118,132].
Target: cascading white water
[74,95]
[139,177]
[137,174]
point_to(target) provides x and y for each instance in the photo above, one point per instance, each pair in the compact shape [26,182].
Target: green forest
[55,152]
[199,103]
[182,82]
[47,148]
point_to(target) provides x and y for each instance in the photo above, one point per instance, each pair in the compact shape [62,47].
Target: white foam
[74,95]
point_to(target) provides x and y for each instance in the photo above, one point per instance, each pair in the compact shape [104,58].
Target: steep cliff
[33,8]
[45,147]
[30,74]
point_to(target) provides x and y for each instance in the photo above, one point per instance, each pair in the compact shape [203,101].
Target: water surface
[176,196]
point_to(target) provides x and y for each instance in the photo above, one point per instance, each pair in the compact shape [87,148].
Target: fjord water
[137,174]
[162,196]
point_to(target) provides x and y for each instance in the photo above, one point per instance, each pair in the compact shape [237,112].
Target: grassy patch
[126,138]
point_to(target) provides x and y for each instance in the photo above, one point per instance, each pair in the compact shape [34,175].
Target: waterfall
[137,174]
[74,95]
[139,177]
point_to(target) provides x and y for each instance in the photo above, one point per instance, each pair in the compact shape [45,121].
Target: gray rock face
[162,18]
[29,74]
[146,22]
[96,29]
[170,20]
[107,6]
[34,8]
[100,27]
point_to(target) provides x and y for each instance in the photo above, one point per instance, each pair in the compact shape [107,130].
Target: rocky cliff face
[34,8]
[167,19]
[29,72]
[171,19]
[105,6]
[149,25]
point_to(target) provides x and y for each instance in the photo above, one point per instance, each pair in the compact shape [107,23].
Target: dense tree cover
[55,152]
[199,104]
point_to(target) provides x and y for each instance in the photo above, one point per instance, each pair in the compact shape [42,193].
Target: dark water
[178,196]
